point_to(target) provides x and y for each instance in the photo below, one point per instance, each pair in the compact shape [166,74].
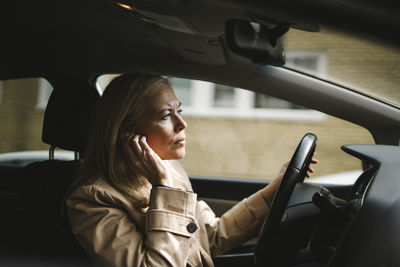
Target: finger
[134,162]
[146,153]
[134,149]
[285,165]
[151,159]
[314,161]
[144,146]
[283,168]
[311,169]
[134,143]
[128,149]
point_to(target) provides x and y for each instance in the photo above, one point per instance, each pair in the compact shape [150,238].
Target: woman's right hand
[142,158]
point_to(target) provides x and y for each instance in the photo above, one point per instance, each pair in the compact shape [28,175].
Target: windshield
[359,64]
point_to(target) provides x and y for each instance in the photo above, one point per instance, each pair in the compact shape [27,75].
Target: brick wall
[20,119]
[257,148]
[371,66]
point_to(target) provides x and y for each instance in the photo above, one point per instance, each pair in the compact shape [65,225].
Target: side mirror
[260,43]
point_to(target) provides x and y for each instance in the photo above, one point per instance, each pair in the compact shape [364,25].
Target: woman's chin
[178,154]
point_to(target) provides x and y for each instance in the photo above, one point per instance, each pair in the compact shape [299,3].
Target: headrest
[68,113]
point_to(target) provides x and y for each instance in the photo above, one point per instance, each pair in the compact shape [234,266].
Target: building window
[213,100]
[182,89]
[308,62]
[224,96]
[264,101]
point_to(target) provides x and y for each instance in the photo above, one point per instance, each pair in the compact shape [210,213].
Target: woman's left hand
[311,169]
[269,190]
[284,167]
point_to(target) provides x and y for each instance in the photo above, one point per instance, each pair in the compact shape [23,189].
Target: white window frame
[184,88]
[203,97]
[321,62]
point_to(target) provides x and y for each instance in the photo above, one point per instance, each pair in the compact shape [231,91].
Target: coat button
[191,227]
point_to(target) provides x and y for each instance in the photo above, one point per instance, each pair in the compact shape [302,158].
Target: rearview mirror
[260,43]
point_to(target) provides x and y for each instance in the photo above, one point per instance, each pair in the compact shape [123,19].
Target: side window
[231,133]
[183,89]
[308,62]
[21,115]
[207,99]
[224,96]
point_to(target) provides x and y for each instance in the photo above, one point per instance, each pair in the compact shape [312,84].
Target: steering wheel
[271,250]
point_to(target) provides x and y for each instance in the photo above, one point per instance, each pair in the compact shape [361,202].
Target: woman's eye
[165,117]
[180,111]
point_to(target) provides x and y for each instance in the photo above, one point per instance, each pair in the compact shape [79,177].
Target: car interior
[233,43]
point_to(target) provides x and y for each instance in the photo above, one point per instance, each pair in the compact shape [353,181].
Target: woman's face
[163,125]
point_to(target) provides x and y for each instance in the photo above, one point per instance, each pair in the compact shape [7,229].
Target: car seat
[47,235]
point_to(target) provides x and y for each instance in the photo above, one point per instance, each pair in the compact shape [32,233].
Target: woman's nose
[180,124]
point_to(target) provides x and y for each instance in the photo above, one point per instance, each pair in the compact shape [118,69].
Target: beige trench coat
[176,230]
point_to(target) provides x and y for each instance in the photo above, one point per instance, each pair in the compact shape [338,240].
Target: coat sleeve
[237,225]
[107,233]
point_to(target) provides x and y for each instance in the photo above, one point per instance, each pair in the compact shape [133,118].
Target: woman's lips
[181,142]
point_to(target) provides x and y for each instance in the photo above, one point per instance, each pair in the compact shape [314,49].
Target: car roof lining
[49,38]
[100,37]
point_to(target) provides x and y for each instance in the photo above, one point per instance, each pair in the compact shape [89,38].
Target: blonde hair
[118,112]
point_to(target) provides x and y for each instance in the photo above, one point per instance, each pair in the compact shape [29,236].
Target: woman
[132,204]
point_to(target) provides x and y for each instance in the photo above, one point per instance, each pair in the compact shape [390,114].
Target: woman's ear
[123,135]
